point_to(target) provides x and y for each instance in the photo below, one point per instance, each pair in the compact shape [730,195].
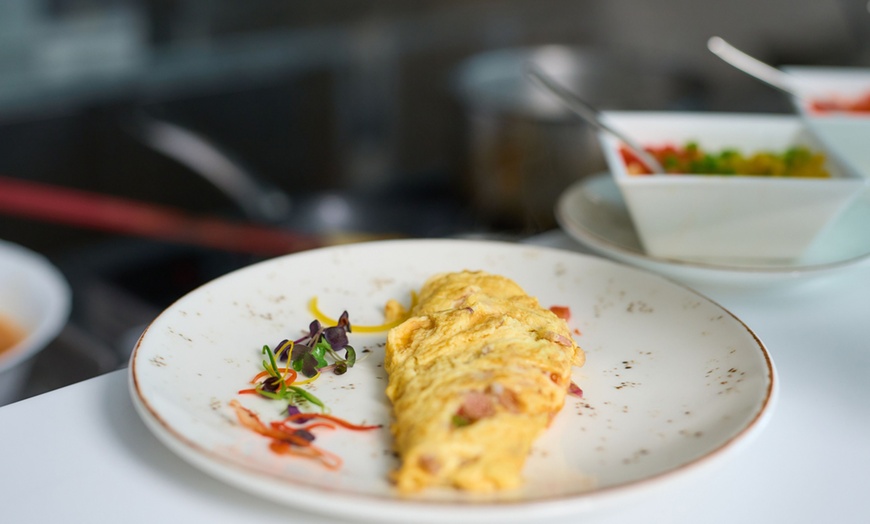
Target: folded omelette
[476,372]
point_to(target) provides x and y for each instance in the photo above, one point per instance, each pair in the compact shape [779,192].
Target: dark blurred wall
[333,95]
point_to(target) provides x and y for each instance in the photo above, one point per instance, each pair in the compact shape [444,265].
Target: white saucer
[593,212]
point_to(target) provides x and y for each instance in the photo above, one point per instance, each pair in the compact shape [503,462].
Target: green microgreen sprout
[300,396]
[275,387]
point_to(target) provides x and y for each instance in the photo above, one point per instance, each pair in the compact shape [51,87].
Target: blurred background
[387,118]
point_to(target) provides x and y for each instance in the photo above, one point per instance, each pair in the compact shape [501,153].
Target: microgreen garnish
[308,354]
[278,381]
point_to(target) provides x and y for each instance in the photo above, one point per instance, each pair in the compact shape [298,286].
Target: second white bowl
[845,133]
[726,217]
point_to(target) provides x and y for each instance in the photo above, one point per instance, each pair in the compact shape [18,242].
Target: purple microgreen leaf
[292,410]
[304,434]
[304,419]
[336,337]
[282,350]
[299,351]
[309,365]
[344,321]
[272,384]
[313,334]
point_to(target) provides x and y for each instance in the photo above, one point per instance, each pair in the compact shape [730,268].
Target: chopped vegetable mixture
[796,161]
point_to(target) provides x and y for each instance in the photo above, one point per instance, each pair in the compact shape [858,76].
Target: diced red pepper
[563,312]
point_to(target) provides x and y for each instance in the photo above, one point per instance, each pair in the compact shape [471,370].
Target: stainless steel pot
[524,148]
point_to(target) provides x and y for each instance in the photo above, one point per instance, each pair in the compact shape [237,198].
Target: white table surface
[81,454]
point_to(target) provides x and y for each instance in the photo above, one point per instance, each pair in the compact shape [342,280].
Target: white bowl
[845,134]
[35,296]
[726,218]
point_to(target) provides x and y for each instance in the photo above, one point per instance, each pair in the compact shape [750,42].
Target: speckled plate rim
[398,509]
[569,220]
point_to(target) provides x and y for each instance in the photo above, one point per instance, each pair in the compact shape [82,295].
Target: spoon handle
[750,65]
[590,114]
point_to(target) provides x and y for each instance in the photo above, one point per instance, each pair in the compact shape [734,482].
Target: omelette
[476,372]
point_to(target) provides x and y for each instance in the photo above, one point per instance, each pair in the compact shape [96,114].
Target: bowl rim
[51,281]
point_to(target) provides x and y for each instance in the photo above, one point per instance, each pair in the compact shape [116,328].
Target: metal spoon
[588,112]
[261,202]
[752,66]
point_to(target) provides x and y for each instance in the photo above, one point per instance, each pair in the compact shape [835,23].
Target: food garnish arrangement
[477,371]
[317,351]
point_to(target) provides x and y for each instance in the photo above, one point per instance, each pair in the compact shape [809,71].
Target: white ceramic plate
[673,383]
[594,213]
